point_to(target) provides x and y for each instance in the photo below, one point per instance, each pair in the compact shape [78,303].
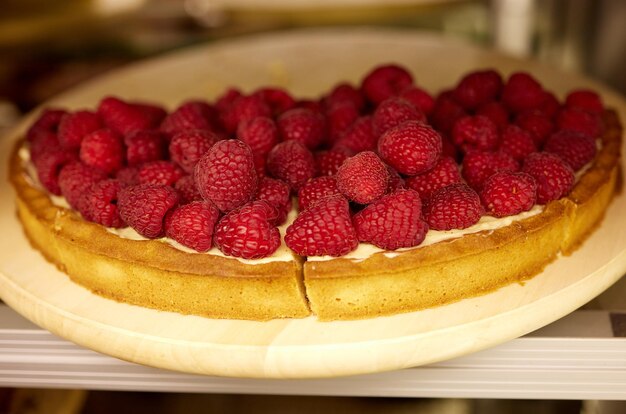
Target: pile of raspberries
[382,162]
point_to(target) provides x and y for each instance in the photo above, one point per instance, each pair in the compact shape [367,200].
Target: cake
[369,201]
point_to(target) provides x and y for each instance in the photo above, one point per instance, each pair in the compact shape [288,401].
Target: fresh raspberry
[75,126]
[124,117]
[276,193]
[247,232]
[476,133]
[279,100]
[160,172]
[49,164]
[243,109]
[517,142]
[508,193]
[144,146]
[393,221]
[496,112]
[384,82]
[314,106]
[445,114]
[301,125]
[144,206]
[444,173]
[187,189]
[48,121]
[192,225]
[323,229]
[226,99]
[291,162]
[363,178]
[260,133]
[411,148]
[260,163]
[480,165]
[393,112]
[419,98]
[448,149]
[226,176]
[316,189]
[550,105]
[128,176]
[103,149]
[328,162]
[455,206]
[339,117]
[187,147]
[189,115]
[345,92]
[537,123]
[522,92]
[478,88]
[396,182]
[99,203]
[575,148]
[574,119]
[42,141]
[359,136]
[155,113]
[553,176]
[586,100]
[75,178]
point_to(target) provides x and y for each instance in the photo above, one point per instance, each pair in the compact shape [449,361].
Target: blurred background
[48,46]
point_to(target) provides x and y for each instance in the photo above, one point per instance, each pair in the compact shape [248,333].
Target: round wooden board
[307,62]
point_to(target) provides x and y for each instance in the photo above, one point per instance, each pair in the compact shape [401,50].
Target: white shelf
[578,357]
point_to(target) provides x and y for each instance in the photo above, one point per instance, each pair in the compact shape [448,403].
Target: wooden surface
[307,63]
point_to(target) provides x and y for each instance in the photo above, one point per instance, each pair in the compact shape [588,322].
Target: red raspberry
[49,164]
[41,142]
[478,88]
[248,232]
[99,203]
[316,189]
[455,206]
[586,100]
[480,165]
[301,125]
[396,182]
[448,149]
[47,121]
[75,178]
[446,113]
[311,105]
[363,178]
[189,115]
[226,176]
[124,117]
[226,99]
[144,146]
[260,133]
[279,100]
[537,123]
[260,161]
[345,92]
[291,162]
[393,112]
[522,92]
[103,149]
[187,147]
[517,142]
[419,98]
[323,229]
[393,221]
[155,113]
[187,189]
[359,136]
[476,133]
[575,148]
[128,176]
[339,117]
[384,82]
[328,162]
[411,148]
[553,176]
[550,105]
[144,206]
[243,109]
[75,126]
[508,193]
[192,225]
[160,172]
[574,119]
[276,193]
[444,173]
[496,112]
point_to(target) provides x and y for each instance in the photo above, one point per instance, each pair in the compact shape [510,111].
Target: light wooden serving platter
[307,62]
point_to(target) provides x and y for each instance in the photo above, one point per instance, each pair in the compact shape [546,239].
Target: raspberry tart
[372,199]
